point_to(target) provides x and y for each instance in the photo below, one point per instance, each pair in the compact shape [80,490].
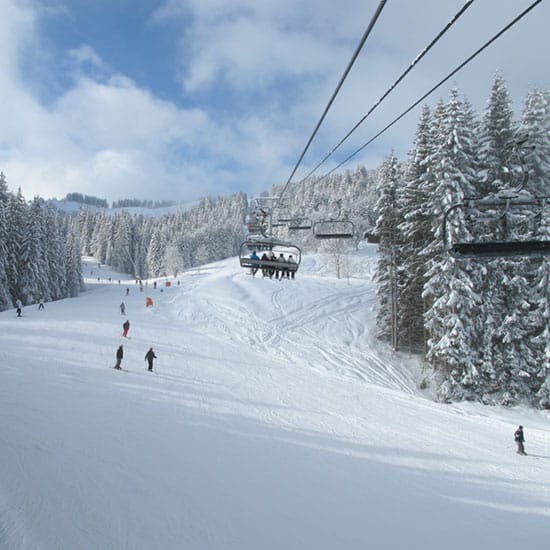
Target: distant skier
[127,291]
[149,356]
[125,328]
[520,439]
[18,307]
[41,303]
[123,308]
[119,356]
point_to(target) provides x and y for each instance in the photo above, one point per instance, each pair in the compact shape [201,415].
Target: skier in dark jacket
[119,356]
[520,439]
[126,328]
[149,356]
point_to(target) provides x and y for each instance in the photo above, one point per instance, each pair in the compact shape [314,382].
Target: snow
[72,207]
[275,419]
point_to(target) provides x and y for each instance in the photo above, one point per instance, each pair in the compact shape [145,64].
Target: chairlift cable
[335,93]
[391,88]
[439,84]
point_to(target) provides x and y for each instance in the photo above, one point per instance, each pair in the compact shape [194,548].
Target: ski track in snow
[290,329]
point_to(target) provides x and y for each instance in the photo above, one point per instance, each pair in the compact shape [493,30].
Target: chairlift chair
[256,222]
[500,216]
[284,218]
[334,229]
[265,244]
[299,224]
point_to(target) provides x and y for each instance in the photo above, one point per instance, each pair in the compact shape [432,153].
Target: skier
[41,303]
[18,307]
[149,356]
[119,356]
[520,439]
[127,291]
[123,308]
[125,328]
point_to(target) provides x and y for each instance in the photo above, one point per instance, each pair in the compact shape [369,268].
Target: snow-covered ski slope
[274,420]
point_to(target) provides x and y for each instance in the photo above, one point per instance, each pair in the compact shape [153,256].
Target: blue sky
[178,99]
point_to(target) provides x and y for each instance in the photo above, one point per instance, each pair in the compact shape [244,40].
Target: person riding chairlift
[254,268]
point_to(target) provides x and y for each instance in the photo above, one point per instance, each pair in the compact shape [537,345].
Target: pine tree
[55,255]
[155,254]
[122,250]
[416,233]
[541,339]
[449,286]
[16,215]
[5,299]
[535,124]
[33,272]
[73,265]
[387,228]
[496,146]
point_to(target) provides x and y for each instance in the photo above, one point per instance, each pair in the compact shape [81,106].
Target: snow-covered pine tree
[156,252]
[123,243]
[33,270]
[387,229]
[450,286]
[73,264]
[101,236]
[5,299]
[85,223]
[541,340]
[499,170]
[535,124]
[498,134]
[55,254]
[15,218]
[416,231]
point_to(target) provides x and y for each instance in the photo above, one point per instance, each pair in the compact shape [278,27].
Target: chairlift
[284,218]
[299,224]
[334,229]
[269,244]
[491,221]
[256,222]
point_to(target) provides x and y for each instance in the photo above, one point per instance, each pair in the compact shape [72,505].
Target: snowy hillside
[71,207]
[274,420]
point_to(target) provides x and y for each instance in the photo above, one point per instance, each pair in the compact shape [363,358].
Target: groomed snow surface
[274,420]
